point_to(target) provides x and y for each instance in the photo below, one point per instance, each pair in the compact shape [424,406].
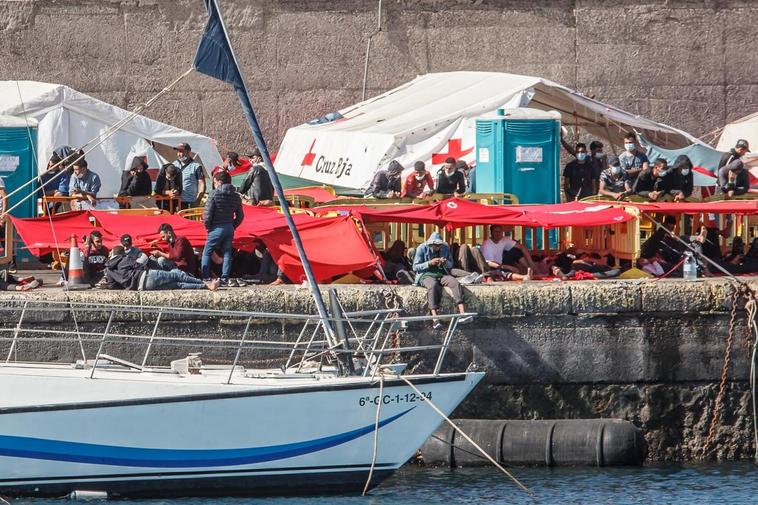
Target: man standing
[223,213]
[598,162]
[386,183]
[419,184]
[84,186]
[577,176]
[193,176]
[180,253]
[738,151]
[450,180]
[632,160]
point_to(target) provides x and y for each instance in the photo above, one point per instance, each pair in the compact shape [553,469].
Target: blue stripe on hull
[56,450]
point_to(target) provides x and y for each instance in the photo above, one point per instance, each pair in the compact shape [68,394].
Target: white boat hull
[136,435]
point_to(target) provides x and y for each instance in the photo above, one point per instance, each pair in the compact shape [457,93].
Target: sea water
[723,484]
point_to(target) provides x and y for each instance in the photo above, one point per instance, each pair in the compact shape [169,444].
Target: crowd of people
[631,174]
[454,178]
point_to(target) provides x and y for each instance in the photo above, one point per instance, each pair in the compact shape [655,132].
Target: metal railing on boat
[373,336]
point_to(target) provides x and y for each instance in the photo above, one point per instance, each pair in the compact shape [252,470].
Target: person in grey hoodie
[432,264]
[223,214]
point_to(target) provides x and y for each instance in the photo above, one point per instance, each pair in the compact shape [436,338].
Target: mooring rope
[465,436]
[376,436]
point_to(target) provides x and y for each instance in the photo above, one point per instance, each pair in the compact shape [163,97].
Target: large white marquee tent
[68,117]
[434,115]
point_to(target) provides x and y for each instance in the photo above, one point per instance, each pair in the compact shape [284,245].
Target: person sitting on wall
[741,147]
[507,255]
[135,183]
[613,181]
[418,184]
[655,183]
[386,183]
[396,264]
[95,254]
[733,179]
[577,175]
[450,181]
[84,186]
[125,272]
[180,253]
[432,264]
[168,183]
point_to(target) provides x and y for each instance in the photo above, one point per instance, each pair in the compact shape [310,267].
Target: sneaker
[239,283]
[465,319]
[29,286]
[61,282]
[228,283]
[437,325]
[12,269]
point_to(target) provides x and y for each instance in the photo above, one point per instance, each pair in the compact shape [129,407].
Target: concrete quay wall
[688,63]
[648,352]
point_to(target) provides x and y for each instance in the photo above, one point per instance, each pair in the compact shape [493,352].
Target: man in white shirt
[504,253]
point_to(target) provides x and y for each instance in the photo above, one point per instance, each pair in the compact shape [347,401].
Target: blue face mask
[581,156]
[616,171]
[629,147]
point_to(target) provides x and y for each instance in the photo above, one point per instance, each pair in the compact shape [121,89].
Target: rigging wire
[376,435]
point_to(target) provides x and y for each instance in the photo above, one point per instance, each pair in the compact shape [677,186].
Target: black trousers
[434,287]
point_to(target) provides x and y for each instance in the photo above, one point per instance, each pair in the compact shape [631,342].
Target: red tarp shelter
[744,207]
[40,237]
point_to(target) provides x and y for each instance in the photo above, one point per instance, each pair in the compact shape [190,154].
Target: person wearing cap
[432,264]
[233,164]
[193,176]
[733,179]
[386,183]
[129,249]
[418,184]
[84,186]
[613,181]
[168,183]
[450,181]
[741,147]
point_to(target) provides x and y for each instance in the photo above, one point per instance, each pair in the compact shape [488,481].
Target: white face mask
[685,171]
[599,155]
[420,177]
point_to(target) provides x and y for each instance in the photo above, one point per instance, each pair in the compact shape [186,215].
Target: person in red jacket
[180,253]
[419,184]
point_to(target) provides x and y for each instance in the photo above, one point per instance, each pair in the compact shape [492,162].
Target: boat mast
[344,360]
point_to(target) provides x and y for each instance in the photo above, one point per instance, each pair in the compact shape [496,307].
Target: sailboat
[340,414]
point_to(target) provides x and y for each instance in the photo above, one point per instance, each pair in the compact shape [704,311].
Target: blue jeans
[219,237]
[172,279]
[161,263]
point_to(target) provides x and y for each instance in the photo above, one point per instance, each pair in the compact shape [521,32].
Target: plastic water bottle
[690,267]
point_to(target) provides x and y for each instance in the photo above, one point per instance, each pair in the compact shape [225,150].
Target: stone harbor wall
[647,352]
[691,64]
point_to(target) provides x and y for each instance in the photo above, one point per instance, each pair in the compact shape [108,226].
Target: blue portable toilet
[517,151]
[18,145]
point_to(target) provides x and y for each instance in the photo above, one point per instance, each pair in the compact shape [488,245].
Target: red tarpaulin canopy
[334,246]
[747,207]
[144,229]
[457,212]
[40,237]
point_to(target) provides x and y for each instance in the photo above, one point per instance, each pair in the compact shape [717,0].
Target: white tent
[68,117]
[744,128]
[434,116]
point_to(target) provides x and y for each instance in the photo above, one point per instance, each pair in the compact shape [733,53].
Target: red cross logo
[454,149]
[309,156]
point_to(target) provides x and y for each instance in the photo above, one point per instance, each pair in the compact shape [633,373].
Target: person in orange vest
[418,184]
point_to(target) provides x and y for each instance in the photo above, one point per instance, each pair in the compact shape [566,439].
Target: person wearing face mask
[193,176]
[613,181]
[419,184]
[632,160]
[386,183]
[450,180]
[599,161]
[685,178]
[577,175]
[733,179]
[653,184]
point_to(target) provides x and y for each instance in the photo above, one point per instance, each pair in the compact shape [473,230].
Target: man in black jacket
[169,183]
[738,151]
[135,182]
[733,179]
[223,213]
[386,183]
[124,272]
[450,180]
[656,182]
[257,188]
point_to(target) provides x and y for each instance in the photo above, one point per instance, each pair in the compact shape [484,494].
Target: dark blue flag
[214,55]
